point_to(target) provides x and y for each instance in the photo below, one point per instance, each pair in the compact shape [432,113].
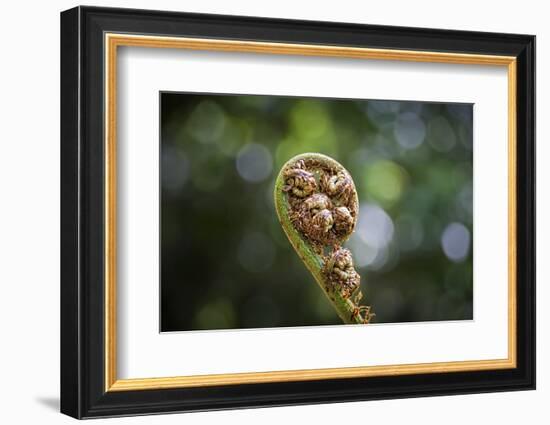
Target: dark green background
[225,261]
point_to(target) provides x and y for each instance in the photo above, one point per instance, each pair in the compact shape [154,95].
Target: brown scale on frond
[344,222]
[338,186]
[341,273]
[317,202]
[298,181]
[313,218]
[319,228]
[324,212]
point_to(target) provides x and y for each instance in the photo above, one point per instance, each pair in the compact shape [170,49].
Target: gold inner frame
[113,41]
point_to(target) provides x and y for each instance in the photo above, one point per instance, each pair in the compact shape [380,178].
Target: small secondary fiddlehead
[317,206]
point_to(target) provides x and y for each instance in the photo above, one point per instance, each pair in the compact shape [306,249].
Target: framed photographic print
[261,212]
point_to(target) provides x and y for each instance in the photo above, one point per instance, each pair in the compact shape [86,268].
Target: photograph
[280,211]
[286,210]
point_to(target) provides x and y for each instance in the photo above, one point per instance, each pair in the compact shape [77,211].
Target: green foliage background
[225,261]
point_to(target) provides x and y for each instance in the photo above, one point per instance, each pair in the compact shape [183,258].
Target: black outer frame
[82,216]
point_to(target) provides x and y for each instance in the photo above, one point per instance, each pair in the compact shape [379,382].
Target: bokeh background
[225,261]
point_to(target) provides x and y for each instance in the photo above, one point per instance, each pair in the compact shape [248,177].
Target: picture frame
[91,38]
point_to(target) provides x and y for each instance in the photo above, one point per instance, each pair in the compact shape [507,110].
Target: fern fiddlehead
[317,206]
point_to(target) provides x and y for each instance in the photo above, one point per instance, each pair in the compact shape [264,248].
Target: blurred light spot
[207,121]
[409,130]
[256,252]
[442,176]
[384,106]
[175,168]
[383,146]
[382,112]
[410,233]
[415,107]
[254,163]
[216,314]
[385,181]
[465,198]
[441,135]
[455,241]
[381,259]
[235,135]
[310,119]
[363,254]
[374,226]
